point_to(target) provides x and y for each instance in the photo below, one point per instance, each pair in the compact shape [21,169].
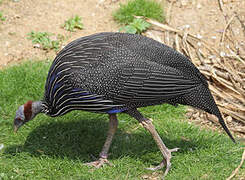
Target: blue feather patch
[113,111]
[56,86]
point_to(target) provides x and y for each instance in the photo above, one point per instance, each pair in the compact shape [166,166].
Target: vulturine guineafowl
[118,72]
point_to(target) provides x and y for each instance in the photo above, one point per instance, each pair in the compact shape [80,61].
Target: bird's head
[23,115]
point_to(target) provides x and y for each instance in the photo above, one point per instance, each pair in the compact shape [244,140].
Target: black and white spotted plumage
[116,72]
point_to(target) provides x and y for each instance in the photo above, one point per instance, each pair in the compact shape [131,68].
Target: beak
[17,124]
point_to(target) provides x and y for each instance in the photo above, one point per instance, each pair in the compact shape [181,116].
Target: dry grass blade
[237,86]
[226,27]
[235,115]
[165,27]
[167,39]
[240,130]
[177,42]
[221,5]
[237,169]
[168,14]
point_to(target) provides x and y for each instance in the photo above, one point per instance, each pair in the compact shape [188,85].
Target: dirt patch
[24,16]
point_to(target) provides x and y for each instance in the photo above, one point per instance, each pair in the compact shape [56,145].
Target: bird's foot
[99,163]
[165,161]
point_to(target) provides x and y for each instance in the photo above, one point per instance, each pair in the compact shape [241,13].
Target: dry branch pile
[224,67]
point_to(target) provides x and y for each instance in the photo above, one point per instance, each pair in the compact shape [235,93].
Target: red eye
[18,121]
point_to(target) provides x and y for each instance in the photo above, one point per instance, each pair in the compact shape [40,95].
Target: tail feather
[222,122]
[202,98]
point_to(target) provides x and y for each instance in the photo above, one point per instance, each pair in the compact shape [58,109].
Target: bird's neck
[37,107]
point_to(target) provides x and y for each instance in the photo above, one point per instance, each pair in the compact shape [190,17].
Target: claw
[161,165]
[99,163]
[165,162]
[174,150]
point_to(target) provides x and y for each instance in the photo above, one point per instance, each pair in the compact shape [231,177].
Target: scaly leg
[104,153]
[147,124]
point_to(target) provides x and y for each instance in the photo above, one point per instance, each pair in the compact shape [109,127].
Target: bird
[113,72]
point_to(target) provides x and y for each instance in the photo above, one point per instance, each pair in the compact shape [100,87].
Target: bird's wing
[157,52]
[152,83]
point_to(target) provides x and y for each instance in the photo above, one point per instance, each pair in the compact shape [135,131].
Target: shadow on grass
[80,139]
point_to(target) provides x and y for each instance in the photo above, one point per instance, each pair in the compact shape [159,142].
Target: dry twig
[226,27]
[237,169]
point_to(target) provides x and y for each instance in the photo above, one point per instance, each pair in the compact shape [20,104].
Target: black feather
[119,72]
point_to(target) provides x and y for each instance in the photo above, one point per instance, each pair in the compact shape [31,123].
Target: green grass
[45,41]
[136,27]
[56,148]
[2,17]
[73,23]
[147,8]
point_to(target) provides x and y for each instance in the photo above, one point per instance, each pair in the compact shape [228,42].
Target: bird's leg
[104,153]
[147,124]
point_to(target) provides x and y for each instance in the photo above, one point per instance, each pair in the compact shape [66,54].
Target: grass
[147,8]
[56,148]
[136,27]
[73,23]
[125,15]
[43,39]
[2,17]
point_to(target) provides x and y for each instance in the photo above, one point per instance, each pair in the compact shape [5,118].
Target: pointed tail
[222,122]
[202,98]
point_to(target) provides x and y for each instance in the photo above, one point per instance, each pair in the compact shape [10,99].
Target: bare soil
[24,16]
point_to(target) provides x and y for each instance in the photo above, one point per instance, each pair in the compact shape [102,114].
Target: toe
[99,163]
[160,166]
[174,149]
[168,166]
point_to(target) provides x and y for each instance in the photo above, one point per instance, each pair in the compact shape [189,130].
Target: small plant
[72,23]
[147,8]
[136,27]
[44,39]
[2,18]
